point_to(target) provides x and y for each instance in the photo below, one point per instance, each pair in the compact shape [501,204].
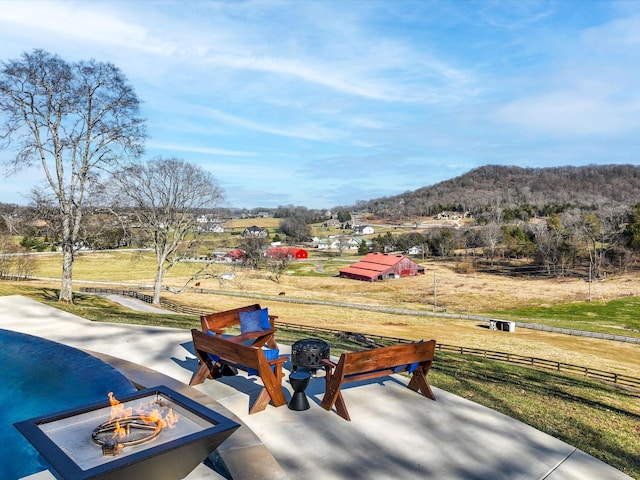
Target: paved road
[135,304]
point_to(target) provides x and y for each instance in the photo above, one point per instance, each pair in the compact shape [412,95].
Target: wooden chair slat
[244,357]
[376,363]
[219,322]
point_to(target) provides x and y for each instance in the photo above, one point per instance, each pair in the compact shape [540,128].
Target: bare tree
[343,244]
[277,263]
[492,233]
[254,250]
[44,215]
[601,232]
[7,259]
[10,217]
[14,262]
[295,228]
[164,196]
[552,246]
[24,266]
[75,119]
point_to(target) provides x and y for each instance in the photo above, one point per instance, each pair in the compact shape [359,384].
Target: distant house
[355,243]
[328,244]
[448,215]
[212,228]
[234,256]
[348,225]
[287,252]
[363,230]
[376,267]
[254,231]
[332,222]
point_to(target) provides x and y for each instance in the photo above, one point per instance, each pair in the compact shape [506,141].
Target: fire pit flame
[124,428]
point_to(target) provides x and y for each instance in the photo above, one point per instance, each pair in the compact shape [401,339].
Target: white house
[254,231]
[363,230]
[329,244]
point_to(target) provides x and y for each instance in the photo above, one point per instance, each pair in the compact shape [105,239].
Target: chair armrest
[261,335]
[280,360]
[328,364]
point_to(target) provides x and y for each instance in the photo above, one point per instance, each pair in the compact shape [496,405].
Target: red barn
[235,256]
[286,252]
[382,266]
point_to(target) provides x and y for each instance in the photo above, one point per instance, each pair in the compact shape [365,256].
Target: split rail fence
[601,375]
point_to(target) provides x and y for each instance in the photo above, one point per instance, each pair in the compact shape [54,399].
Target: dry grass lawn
[460,293]
[605,355]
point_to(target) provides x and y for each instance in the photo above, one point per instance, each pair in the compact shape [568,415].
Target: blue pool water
[40,377]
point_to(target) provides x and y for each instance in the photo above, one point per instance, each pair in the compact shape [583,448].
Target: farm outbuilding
[287,252]
[382,266]
[235,256]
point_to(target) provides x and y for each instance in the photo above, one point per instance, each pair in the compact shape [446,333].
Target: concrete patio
[395,433]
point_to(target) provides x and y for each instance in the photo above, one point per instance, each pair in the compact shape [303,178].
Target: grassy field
[540,301]
[601,420]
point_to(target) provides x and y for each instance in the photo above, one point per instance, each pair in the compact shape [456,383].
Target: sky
[322,103]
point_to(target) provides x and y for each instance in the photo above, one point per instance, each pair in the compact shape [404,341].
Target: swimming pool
[39,377]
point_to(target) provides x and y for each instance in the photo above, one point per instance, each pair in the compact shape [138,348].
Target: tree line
[520,193]
[594,243]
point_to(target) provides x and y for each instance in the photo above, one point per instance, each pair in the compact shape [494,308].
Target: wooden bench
[244,357]
[219,322]
[375,363]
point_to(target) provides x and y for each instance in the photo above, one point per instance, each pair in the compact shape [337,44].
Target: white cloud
[93,22]
[307,131]
[179,147]
[571,113]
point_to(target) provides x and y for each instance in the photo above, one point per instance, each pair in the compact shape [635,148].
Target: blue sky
[322,103]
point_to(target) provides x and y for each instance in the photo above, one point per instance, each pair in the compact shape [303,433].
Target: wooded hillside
[529,191]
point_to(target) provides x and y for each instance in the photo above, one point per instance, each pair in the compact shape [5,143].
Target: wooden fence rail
[609,377]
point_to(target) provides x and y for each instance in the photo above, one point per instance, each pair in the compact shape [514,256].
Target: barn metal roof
[362,272]
[373,264]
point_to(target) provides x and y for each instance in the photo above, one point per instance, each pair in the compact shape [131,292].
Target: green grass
[599,419]
[598,316]
[308,268]
[121,265]
[98,309]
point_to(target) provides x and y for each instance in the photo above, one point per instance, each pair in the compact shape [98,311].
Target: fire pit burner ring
[125,432]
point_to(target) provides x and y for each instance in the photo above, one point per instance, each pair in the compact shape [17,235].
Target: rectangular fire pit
[78,444]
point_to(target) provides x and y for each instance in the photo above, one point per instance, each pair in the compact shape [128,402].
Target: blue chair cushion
[264,319]
[251,321]
[270,354]
[409,368]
